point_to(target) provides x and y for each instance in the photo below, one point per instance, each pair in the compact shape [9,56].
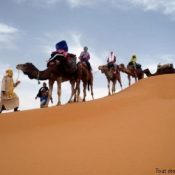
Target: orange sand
[129,133]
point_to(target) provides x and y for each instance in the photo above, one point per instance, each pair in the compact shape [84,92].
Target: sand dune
[129,133]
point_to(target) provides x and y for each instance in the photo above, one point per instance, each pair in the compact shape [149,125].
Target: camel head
[103,68]
[121,67]
[27,69]
[147,72]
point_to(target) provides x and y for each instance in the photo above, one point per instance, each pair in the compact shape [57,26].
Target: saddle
[68,62]
[137,65]
[87,64]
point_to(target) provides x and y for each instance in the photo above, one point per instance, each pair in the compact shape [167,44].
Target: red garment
[61,51]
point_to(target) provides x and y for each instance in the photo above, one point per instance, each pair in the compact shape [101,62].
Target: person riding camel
[61,52]
[85,57]
[133,61]
[111,60]
[61,48]
[61,55]
[9,99]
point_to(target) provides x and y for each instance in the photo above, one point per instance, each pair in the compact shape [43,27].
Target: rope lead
[38,78]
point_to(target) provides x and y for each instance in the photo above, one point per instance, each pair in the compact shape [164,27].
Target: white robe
[8,102]
[111,58]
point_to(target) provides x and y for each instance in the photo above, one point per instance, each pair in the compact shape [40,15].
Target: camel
[69,66]
[51,74]
[132,72]
[54,73]
[87,79]
[161,69]
[111,76]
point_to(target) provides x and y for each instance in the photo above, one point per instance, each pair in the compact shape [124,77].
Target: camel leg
[113,87]
[129,79]
[59,80]
[92,93]
[135,76]
[109,93]
[84,91]
[120,82]
[73,91]
[78,91]
[50,92]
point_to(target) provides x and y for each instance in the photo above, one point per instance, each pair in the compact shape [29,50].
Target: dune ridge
[129,133]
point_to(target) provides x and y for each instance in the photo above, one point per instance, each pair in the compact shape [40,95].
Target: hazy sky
[29,30]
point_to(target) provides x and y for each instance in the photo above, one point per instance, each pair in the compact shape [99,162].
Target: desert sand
[129,133]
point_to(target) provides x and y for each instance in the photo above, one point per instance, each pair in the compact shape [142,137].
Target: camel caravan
[62,66]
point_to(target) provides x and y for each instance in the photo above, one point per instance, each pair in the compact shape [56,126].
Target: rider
[133,62]
[61,48]
[61,54]
[111,61]
[85,57]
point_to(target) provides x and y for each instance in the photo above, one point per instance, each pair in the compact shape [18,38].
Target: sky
[29,30]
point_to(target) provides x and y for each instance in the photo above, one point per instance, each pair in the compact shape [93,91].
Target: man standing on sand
[9,100]
[43,95]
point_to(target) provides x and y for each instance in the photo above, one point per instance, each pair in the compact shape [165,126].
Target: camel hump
[86,65]
[71,64]
[72,57]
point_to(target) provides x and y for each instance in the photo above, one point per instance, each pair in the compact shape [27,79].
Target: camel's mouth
[121,66]
[100,68]
[19,66]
